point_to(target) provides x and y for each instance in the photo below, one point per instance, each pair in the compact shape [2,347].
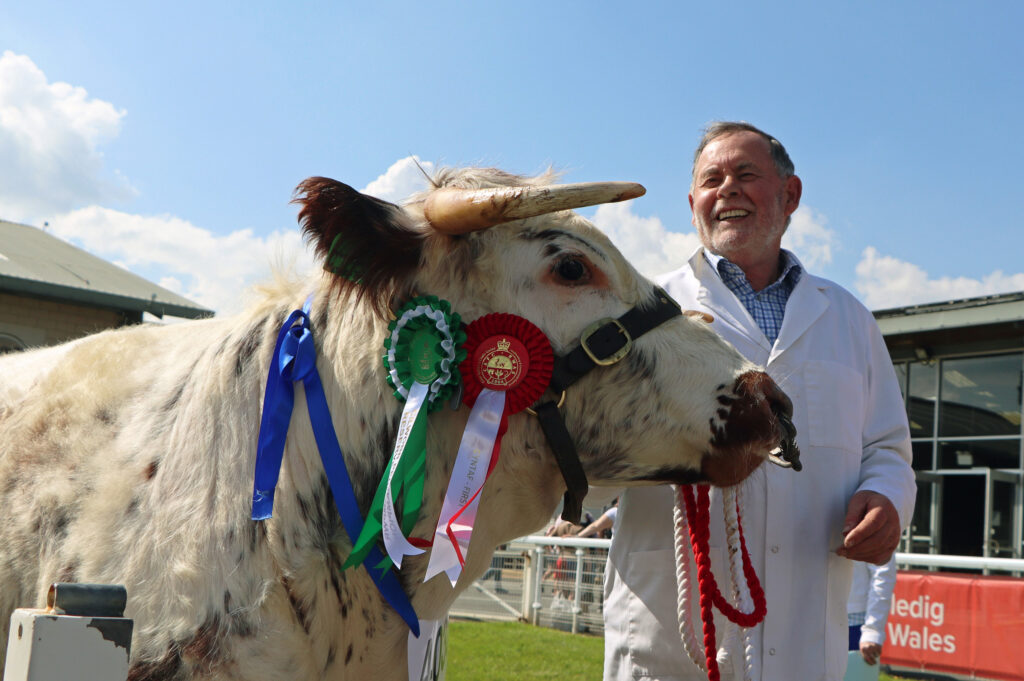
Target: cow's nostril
[754,384]
[781,404]
[790,452]
[758,387]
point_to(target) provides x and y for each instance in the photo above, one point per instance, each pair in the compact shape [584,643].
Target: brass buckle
[615,356]
[561,401]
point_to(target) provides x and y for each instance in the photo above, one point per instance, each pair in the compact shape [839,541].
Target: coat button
[775,549]
[771,651]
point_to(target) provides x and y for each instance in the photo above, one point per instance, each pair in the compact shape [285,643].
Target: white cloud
[654,250]
[645,242]
[50,135]
[809,238]
[51,165]
[401,180]
[884,282]
[209,269]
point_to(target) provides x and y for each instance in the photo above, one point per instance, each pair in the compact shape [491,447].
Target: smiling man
[742,201]
[856,490]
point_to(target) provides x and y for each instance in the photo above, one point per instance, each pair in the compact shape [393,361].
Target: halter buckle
[615,356]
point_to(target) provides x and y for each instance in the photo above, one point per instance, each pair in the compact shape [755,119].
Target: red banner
[962,624]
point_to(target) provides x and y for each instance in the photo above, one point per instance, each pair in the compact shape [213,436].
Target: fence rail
[548,581]
[558,582]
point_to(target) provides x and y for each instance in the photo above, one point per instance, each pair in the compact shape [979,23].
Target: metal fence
[558,582]
[548,581]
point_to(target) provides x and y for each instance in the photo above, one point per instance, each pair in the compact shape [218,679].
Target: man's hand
[871,531]
[870,652]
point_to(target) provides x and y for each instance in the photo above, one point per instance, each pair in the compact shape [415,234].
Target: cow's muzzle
[759,419]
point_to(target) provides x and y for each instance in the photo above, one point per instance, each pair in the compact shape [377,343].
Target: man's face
[740,204]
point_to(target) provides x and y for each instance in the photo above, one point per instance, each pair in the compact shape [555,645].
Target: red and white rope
[684,592]
[692,530]
[741,595]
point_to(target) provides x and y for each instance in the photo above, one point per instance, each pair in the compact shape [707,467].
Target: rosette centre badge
[501,362]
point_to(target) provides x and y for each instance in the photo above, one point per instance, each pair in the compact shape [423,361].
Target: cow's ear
[371,246]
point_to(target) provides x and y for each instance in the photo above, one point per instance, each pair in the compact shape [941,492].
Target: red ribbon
[522,388]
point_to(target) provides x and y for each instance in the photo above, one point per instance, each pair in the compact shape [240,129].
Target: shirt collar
[791,272]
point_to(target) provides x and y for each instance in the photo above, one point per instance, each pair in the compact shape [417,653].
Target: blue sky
[168,137]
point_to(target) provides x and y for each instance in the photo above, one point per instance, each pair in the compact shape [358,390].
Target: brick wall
[35,321]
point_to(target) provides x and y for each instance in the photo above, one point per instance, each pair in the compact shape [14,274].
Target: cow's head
[680,406]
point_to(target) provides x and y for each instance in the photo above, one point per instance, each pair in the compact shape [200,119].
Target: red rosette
[507,353]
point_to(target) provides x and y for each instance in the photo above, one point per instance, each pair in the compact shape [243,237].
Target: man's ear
[793,191]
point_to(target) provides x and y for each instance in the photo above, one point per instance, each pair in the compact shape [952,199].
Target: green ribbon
[424,347]
[339,261]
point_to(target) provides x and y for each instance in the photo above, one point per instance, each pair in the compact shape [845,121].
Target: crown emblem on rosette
[501,362]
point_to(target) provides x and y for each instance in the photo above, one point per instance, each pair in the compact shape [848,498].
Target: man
[867,612]
[601,527]
[856,489]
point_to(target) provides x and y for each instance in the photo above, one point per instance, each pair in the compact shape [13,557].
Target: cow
[127,457]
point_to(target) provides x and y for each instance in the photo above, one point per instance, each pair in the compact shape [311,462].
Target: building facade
[961,369]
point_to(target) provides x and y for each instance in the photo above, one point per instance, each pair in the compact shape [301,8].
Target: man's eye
[572,270]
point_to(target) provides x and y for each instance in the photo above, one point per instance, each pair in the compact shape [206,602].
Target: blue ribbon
[295,360]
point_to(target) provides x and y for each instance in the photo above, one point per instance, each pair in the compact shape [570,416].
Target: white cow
[127,457]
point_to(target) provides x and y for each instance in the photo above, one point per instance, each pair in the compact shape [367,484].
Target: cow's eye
[572,271]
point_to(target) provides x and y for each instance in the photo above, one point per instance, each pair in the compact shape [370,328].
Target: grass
[514,651]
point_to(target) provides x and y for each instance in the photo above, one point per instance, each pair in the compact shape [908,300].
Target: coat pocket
[835,405]
[655,647]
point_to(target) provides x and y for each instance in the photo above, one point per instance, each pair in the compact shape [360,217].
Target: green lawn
[513,651]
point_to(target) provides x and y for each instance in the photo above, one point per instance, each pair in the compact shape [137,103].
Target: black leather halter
[603,343]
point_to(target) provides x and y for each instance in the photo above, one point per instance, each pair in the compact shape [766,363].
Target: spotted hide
[127,457]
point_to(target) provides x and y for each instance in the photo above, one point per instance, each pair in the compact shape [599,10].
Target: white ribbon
[468,476]
[427,654]
[394,541]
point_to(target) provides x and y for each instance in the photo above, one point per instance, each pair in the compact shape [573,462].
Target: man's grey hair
[783,164]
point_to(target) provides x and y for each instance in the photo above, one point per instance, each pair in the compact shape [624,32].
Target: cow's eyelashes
[572,271]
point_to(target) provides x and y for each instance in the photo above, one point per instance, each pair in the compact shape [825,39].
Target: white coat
[831,360]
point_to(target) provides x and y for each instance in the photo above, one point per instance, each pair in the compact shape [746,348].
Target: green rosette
[423,350]
[425,344]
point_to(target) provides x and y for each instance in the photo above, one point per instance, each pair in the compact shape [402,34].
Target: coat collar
[806,304]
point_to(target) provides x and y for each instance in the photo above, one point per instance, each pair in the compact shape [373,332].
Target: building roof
[970,325]
[35,263]
[994,309]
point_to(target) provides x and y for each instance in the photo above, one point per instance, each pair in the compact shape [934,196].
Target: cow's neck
[517,499]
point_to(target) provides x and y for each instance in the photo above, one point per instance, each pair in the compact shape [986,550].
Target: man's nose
[729,187]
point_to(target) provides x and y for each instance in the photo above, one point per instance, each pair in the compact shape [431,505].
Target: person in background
[867,611]
[561,573]
[856,490]
[602,527]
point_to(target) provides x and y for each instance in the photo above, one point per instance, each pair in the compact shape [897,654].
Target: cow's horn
[459,211]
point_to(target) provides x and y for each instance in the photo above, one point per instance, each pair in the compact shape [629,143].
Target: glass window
[980,396]
[922,453]
[980,453]
[962,515]
[1001,531]
[921,403]
[921,524]
[901,377]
